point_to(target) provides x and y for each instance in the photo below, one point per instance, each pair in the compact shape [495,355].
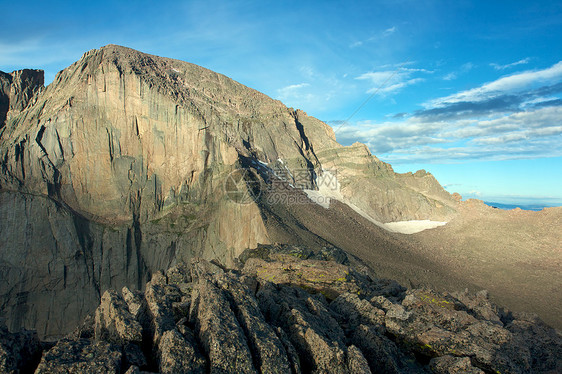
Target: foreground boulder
[81,356]
[19,352]
[204,318]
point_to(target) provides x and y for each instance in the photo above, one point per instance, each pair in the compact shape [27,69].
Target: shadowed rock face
[202,318]
[117,170]
[17,90]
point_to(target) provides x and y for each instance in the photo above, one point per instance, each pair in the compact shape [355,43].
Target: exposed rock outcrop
[206,319]
[17,90]
[19,352]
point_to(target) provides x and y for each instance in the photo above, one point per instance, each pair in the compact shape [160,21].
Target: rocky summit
[286,309]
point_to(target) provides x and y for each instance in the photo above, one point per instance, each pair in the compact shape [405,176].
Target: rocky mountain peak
[17,89]
[120,168]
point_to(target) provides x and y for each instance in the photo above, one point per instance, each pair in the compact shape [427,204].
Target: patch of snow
[330,188]
[318,198]
[412,227]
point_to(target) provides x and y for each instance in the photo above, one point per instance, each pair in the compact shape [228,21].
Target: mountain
[118,169]
[129,164]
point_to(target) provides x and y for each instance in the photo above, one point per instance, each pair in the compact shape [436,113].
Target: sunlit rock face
[117,169]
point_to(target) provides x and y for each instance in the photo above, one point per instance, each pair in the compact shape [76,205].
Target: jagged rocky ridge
[286,309]
[116,170]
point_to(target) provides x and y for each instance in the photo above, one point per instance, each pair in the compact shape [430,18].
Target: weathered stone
[81,357]
[133,355]
[268,351]
[19,352]
[388,288]
[433,327]
[352,311]
[114,322]
[453,365]
[544,343]
[220,333]
[292,354]
[137,305]
[326,277]
[333,254]
[315,334]
[202,269]
[133,370]
[177,355]
[479,305]
[356,362]
[285,329]
[381,353]
[179,274]
[86,329]
[160,311]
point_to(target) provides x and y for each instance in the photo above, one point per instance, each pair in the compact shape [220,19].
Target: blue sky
[468,90]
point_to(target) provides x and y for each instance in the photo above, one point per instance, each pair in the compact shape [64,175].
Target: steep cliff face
[117,169]
[16,91]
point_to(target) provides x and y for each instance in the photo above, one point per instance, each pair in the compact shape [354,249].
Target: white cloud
[396,86]
[389,31]
[450,76]
[464,68]
[529,134]
[502,67]
[316,91]
[291,92]
[388,81]
[377,37]
[508,84]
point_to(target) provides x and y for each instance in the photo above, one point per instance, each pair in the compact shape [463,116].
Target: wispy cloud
[316,91]
[513,117]
[449,77]
[293,92]
[464,68]
[389,81]
[518,84]
[377,37]
[503,67]
[389,31]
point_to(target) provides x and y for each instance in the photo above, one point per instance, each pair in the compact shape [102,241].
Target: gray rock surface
[80,357]
[19,352]
[453,365]
[219,331]
[242,323]
[177,355]
[114,322]
[17,90]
